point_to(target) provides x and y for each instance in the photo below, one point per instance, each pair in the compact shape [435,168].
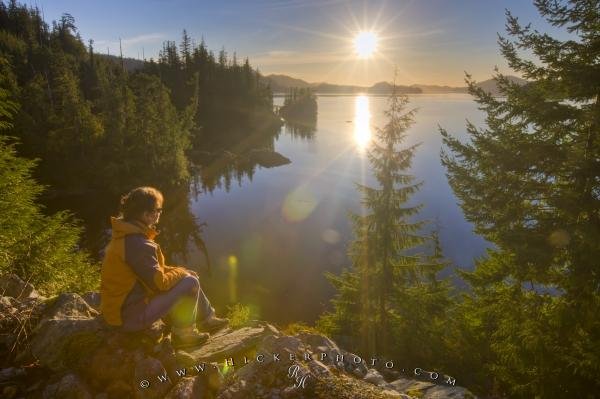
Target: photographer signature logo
[299,378]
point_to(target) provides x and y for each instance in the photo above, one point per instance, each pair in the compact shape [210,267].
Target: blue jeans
[182,306]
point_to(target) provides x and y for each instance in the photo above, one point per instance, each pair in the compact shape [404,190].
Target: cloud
[280,53]
[134,42]
[140,39]
[284,57]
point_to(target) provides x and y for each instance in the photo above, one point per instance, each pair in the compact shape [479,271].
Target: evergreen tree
[7,106]
[79,112]
[529,182]
[186,48]
[160,134]
[39,249]
[390,292]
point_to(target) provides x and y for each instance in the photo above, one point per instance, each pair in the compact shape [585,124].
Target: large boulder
[92,299]
[63,344]
[149,369]
[186,388]
[203,385]
[231,343]
[13,286]
[69,387]
[68,305]
[68,332]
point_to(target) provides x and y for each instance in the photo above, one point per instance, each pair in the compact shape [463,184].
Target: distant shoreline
[282,94]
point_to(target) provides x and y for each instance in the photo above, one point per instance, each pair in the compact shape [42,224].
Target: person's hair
[138,201]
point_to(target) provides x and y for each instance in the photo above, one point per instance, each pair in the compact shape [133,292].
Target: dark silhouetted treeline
[299,103]
[300,112]
[94,125]
[231,100]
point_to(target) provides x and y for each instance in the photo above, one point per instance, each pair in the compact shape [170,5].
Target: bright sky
[429,41]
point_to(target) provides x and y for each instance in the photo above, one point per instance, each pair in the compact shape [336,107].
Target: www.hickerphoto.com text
[308,356]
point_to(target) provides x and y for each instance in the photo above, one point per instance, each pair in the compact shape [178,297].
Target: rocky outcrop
[12,286]
[71,353]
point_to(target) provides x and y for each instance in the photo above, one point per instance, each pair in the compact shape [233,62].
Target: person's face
[151,218]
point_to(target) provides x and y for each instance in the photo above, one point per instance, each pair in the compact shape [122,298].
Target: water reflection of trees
[220,175]
[180,230]
[216,168]
[304,128]
[219,166]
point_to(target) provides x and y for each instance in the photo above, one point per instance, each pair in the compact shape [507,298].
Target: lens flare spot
[330,236]
[226,367]
[183,311]
[232,261]
[298,204]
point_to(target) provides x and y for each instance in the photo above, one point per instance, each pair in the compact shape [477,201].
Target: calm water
[272,237]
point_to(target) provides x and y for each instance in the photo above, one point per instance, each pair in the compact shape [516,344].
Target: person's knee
[191,283]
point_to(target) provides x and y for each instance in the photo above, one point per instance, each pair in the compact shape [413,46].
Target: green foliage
[296,328]
[7,106]
[239,315]
[228,100]
[390,302]
[340,385]
[160,134]
[529,183]
[343,322]
[415,393]
[39,249]
[96,126]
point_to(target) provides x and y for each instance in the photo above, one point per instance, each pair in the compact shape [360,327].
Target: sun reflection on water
[362,121]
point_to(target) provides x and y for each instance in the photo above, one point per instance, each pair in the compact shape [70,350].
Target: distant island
[282,84]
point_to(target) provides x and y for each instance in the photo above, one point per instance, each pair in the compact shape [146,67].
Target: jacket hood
[121,228]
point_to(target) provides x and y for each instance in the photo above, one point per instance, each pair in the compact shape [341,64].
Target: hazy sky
[429,41]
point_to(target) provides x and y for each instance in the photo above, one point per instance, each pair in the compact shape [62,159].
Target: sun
[365,44]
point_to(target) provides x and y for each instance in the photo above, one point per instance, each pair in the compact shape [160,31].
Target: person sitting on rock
[138,288]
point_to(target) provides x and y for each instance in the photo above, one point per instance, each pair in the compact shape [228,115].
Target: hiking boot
[187,337]
[212,323]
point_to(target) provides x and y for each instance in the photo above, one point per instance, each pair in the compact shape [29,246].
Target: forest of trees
[529,181]
[92,124]
[299,103]
[300,112]
[34,246]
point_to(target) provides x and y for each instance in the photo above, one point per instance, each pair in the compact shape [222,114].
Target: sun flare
[365,44]
[362,122]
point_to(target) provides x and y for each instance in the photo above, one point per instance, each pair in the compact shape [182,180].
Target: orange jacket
[133,257]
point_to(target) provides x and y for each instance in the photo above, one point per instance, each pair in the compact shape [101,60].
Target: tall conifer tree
[529,181]
[386,270]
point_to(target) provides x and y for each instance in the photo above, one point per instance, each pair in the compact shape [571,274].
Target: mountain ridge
[282,83]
